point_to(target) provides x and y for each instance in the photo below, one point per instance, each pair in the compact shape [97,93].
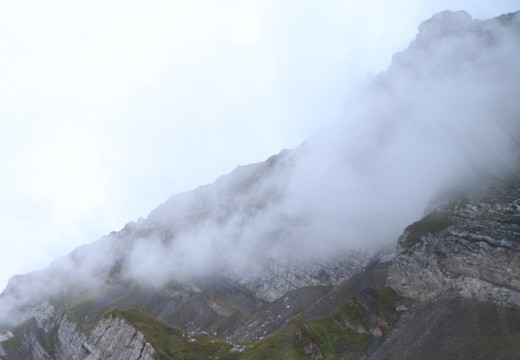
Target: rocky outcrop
[277,278]
[231,308]
[112,338]
[469,246]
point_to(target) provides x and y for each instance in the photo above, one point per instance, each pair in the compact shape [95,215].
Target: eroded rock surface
[469,246]
[112,338]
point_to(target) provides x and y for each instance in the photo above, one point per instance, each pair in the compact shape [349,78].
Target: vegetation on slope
[170,343]
[353,329]
[432,223]
[19,333]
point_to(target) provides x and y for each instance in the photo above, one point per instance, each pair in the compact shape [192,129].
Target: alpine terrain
[398,239]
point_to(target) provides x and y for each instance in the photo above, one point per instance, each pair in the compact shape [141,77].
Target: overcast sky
[107,108]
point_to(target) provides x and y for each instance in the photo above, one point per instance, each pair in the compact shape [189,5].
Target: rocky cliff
[466,245]
[59,338]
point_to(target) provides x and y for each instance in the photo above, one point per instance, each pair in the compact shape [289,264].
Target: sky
[109,108]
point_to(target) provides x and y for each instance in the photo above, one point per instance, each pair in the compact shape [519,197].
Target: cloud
[107,112]
[430,119]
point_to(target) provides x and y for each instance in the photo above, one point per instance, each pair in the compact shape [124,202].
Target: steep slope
[306,217]
[58,338]
[134,267]
[451,329]
[469,246]
[349,331]
[287,254]
[461,263]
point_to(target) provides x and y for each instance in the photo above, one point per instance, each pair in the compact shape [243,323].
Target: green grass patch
[369,309]
[432,223]
[335,341]
[288,343]
[170,343]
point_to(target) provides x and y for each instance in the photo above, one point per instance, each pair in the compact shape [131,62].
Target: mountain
[295,257]
[460,264]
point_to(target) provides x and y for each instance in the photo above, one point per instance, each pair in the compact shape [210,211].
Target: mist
[445,111]
[109,107]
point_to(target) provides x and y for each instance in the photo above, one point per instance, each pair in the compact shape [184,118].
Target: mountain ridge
[250,267]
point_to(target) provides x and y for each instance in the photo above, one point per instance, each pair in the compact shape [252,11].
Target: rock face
[469,246]
[59,338]
[133,334]
[452,329]
[276,279]
[112,338]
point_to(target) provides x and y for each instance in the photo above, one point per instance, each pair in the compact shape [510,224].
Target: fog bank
[446,110]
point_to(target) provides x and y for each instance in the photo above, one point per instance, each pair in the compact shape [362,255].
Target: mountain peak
[445,22]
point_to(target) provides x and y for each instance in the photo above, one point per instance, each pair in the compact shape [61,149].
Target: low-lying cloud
[447,108]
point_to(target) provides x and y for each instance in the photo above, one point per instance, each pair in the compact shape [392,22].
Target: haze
[109,108]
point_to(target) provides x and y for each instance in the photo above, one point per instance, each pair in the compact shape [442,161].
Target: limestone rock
[474,252]
[112,338]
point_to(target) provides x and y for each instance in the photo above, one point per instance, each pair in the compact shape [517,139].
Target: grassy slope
[171,343]
[329,337]
[431,223]
[298,339]
[347,331]
[353,330]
